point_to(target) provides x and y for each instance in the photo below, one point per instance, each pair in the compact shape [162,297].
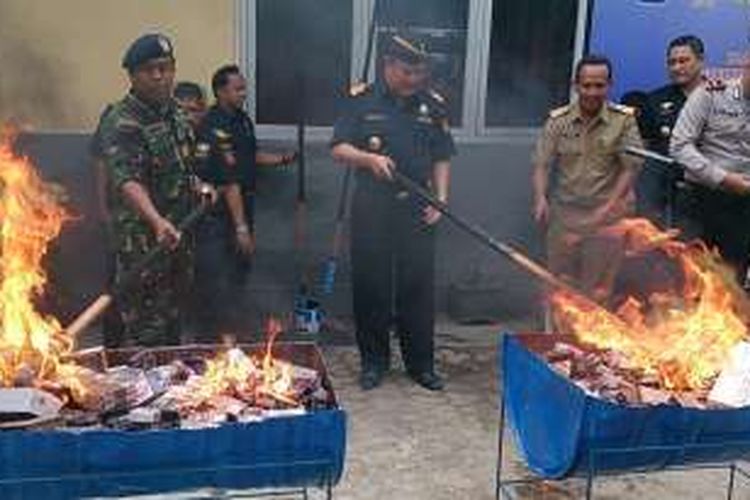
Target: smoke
[31,81]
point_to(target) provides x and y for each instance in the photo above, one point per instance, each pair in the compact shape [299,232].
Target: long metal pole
[479,233]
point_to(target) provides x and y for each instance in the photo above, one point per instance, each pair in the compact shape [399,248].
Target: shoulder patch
[558,112]
[357,89]
[714,84]
[621,108]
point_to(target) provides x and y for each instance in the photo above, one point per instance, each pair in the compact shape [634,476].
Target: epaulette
[435,95]
[357,89]
[221,135]
[558,112]
[621,108]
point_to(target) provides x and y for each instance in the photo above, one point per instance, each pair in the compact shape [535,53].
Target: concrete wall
[60,60]
[490,187]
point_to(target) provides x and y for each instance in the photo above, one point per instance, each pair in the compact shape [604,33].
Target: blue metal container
[561,431]
[294,451]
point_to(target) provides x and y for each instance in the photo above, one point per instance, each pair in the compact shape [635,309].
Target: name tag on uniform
[374,117]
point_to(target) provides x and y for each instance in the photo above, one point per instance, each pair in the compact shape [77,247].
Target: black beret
[145,48]
[405,50]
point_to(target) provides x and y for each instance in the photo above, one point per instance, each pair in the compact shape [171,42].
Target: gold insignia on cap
[374,143]
[408,45]
[203,147]
[164,44]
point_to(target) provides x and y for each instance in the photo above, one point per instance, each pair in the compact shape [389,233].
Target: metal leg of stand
[304,493]
[730,486]
[590,479]
[500,433]
[329,488]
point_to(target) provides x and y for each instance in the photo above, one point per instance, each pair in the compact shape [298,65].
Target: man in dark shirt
[656,185]
[226,238]
[395,124]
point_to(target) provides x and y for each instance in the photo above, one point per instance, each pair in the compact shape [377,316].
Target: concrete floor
[406,443]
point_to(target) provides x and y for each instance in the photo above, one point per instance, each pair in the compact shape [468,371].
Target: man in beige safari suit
[592,184]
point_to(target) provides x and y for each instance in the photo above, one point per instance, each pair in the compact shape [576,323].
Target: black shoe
[429,380]
[370,378]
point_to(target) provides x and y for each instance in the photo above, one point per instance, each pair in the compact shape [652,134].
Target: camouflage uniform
[156,149]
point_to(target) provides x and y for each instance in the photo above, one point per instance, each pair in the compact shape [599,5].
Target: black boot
[429,380]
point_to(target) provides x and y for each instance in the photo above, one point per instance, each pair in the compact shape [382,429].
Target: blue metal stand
[8,485]
[503,486]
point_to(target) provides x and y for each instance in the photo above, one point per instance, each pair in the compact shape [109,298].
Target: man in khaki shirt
[593,179]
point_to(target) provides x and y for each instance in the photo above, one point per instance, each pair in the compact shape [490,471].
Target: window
[531,55]
[303,49]
[441,25]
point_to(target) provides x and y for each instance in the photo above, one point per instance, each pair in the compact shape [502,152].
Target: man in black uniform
[395,124]
[226,239]
[656,184]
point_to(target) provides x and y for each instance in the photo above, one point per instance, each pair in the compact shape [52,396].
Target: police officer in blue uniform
[226,237]
[397,123]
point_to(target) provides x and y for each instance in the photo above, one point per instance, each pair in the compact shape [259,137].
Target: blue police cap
[145,48]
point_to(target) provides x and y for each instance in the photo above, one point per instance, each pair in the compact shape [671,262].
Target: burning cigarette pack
[576,410]
[665,345]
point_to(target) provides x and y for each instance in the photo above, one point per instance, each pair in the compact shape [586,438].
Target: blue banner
[634,34]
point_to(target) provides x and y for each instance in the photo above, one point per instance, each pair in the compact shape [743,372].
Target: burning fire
[236,374]
[31,217]
[683,336]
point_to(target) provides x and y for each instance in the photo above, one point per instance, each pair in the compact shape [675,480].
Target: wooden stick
[89,315]
[95,310]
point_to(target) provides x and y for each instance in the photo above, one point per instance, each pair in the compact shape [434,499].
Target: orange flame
[277,375]
[235,373]
[30,219]
[684,336]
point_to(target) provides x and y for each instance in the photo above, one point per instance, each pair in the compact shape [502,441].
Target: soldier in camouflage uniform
[148,148]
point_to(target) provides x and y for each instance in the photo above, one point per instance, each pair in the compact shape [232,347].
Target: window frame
[476,69]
